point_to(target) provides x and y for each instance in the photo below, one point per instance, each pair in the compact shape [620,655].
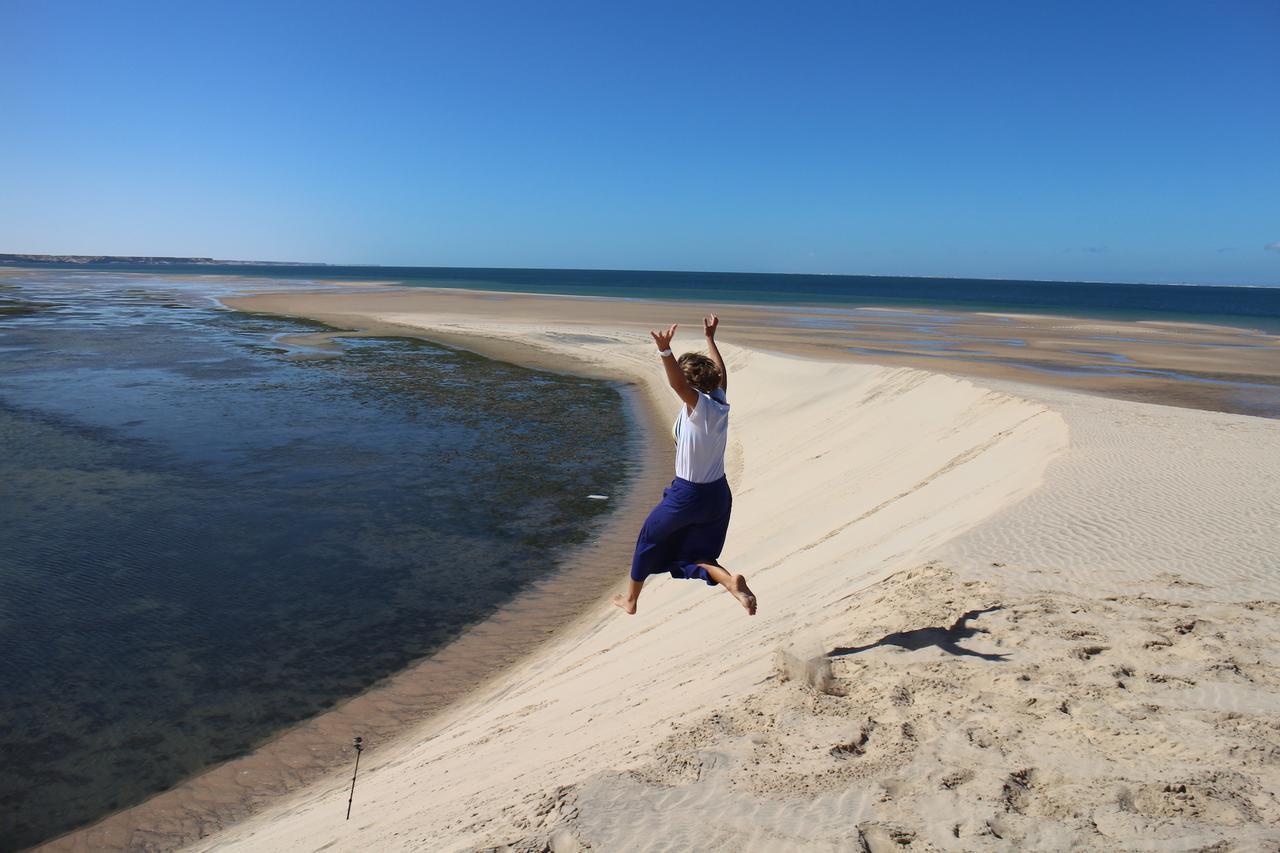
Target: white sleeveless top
[701,436]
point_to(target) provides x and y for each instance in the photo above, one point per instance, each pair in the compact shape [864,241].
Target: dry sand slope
[881,699]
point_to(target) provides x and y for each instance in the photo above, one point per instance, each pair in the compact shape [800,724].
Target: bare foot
[629,606]
[742,592]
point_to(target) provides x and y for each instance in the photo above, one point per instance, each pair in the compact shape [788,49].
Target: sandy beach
[333,428]
[994,615]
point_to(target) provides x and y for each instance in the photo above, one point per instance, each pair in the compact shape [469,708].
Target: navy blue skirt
[687,528]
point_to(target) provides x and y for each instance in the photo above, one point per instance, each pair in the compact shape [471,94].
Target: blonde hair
[701,371]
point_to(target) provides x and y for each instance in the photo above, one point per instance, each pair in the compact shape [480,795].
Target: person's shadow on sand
[946,639]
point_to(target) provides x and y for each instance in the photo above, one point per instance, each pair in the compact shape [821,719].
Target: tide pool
[210,532]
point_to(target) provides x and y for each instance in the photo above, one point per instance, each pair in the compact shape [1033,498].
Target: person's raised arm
[675,376]
[709,325]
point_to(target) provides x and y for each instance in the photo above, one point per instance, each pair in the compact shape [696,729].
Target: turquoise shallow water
[209,534]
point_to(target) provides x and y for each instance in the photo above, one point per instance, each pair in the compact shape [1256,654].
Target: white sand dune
[1112,684]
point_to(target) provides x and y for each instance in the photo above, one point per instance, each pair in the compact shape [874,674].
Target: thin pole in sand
[359,745]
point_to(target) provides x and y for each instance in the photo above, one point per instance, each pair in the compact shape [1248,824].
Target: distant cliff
[137,260]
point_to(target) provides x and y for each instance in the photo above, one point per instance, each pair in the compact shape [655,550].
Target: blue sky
[1118,141]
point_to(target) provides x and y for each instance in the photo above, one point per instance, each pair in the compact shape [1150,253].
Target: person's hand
[709,325]
[663,339]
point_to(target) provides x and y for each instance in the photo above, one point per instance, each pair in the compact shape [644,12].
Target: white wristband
[664,353]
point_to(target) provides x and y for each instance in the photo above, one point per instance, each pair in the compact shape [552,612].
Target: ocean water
[210,530]
[1255,307]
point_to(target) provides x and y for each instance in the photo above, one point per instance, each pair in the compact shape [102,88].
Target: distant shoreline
[109,261]
[1216,362]
[1236,306]
[142,260]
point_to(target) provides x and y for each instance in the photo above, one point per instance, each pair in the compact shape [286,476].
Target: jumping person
[684,534]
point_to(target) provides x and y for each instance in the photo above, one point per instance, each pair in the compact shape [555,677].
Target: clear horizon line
[212,261]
